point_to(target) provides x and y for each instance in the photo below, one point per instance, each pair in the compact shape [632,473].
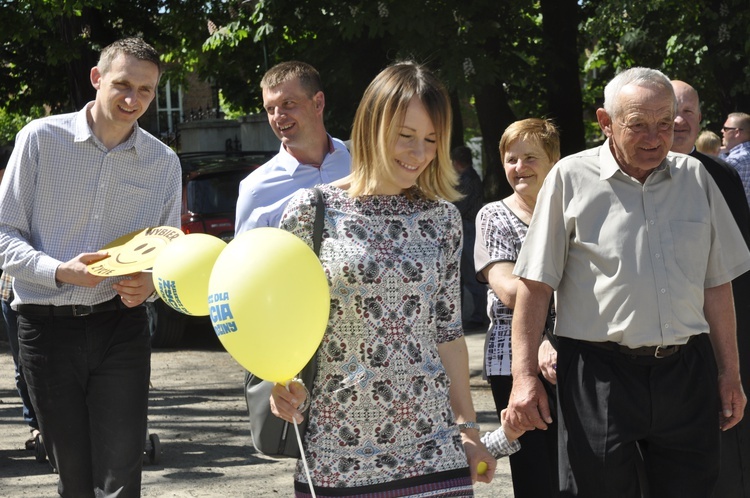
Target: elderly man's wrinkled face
[641,132]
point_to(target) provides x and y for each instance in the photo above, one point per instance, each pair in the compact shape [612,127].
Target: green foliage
[47,47]
[703,42]
[11,123]
[349,41]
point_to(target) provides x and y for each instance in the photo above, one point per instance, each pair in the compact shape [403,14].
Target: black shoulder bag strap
[320,210]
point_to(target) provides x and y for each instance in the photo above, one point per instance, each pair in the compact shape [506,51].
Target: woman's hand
[286,401]
[548,361]
[476,452]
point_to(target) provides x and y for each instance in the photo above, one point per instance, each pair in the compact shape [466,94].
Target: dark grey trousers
[88,379]
[611,403]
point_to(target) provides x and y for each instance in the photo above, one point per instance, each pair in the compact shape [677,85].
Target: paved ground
[198,413]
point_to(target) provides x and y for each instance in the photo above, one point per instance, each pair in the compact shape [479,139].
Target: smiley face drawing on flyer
[134,252]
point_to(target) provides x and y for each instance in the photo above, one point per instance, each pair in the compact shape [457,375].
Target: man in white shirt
[294,101]
[74,183]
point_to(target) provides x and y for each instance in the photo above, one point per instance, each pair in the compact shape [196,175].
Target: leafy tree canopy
[501,61]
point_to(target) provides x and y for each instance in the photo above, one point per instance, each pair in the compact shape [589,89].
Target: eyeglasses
[729,128]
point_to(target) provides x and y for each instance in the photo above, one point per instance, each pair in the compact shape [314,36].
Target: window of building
[169,108]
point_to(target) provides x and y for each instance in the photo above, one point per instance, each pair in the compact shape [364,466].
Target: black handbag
[271,435]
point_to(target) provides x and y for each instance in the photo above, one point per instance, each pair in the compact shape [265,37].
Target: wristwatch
[468,425]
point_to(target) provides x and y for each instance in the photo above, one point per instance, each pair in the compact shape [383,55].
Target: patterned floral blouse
[380,409]
[500,234]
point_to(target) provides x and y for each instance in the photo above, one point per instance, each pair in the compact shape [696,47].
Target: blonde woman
[391,411]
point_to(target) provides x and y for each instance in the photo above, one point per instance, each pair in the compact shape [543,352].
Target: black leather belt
[652,351]
[73,310]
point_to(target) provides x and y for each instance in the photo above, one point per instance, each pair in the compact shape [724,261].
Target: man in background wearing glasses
[736,141]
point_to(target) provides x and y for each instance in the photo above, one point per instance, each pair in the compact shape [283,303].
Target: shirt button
[666,325]
[657,255]
[651,222]
[663,291]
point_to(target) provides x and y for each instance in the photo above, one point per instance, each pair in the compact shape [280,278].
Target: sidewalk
[198,411]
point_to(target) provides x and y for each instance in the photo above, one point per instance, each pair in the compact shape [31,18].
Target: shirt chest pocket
[133,202]
[691,242]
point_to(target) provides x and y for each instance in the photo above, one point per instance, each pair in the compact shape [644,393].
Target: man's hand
[74,272]
[135,288]
[528,407]
[733,401]
[718,307]
[548,361]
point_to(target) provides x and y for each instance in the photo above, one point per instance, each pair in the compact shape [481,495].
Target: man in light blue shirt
[294,101]
[74,183]
[736,141]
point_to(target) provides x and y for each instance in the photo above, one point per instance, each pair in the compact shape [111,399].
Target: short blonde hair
[541,132]
[377,121]
[308,77]
[708,142]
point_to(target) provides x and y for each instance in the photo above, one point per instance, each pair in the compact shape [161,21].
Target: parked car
[210,184]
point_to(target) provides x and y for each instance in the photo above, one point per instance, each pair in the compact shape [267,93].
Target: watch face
[468,425]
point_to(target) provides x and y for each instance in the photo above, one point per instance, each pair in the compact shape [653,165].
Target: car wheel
[166,325]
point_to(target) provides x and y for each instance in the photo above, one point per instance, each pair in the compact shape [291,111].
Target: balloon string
[304,458]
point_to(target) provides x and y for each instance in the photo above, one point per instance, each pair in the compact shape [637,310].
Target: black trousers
[88,379]
[533,467]
[610,402]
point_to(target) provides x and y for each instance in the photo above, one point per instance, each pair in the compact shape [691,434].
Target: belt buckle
[82,309]
[663,351]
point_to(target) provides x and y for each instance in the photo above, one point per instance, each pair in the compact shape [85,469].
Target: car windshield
[215,193]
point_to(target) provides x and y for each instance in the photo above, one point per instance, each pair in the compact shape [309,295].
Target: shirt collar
[610,166]
[83,132]
[291,163]
[740,147]
[82,129]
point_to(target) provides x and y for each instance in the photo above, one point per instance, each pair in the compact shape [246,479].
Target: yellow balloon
[269,302]
[182,269]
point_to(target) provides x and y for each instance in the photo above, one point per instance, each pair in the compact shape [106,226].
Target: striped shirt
[64,194]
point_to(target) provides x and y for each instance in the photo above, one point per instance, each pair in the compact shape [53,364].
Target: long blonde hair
[379,116]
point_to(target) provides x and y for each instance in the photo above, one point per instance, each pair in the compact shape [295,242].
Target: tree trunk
[79,68]
[457,126]
[494,115]
[560,40]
